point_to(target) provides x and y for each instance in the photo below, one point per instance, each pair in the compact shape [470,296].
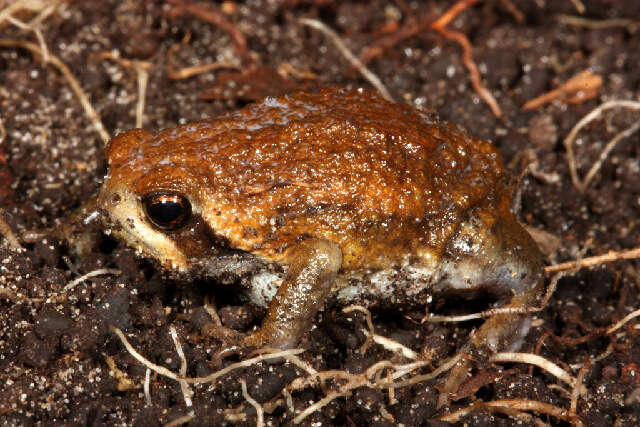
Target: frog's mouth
[124,217]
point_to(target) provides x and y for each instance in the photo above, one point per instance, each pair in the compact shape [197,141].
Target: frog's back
[379,179]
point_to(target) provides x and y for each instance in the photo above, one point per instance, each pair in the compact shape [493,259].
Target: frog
[335,196]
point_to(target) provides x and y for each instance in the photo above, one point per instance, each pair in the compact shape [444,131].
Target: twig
[72,284]
[143,79]
[444,367]
[513,10]
[184,387]
[161,370]
[578,388]
[289,400]
[519,404]
[147,387]
[3,134]
[413,26]
[606,150]
[140,358]
[254,403]
[349,56]
[392,345]
[370,378]
[594,260]
[539,361]
[210,308]
[345,390]
[367,314]
[594,114]
[180,420]
[243,364]
[217,19]
[175,73]
[577,89]
[467,58]
[593,24]
[43,8]
[626,319]
[142,74]
[94,117]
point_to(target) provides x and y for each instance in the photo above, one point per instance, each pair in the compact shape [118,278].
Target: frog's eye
[167,211]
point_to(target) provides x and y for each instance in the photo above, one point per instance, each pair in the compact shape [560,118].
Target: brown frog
[337,196]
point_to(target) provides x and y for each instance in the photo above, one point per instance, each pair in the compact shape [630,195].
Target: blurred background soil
[59,362]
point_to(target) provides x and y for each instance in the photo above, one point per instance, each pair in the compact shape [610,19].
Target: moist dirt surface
[60,363]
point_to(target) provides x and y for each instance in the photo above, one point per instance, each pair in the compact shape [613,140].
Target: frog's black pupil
[167,211]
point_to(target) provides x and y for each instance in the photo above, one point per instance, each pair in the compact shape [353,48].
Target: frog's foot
[314,264]
[227,336]
[500,332]
[231,341]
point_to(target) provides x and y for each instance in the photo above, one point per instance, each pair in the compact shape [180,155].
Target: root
[349,56]
[467,57]
[509,405]
[93,115]
[582,185]
[254,403]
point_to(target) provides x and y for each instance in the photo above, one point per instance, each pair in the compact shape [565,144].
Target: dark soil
[55,354]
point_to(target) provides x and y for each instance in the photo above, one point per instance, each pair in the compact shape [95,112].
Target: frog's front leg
[503,260]
[313,266]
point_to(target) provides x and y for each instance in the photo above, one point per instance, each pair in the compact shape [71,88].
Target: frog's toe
[228,337]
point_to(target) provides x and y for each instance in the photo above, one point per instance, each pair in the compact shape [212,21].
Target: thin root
[254,403]
[175,73]
[467,58]
[594,260]
[626,319]
[142,72]
[511,404]
[577,89]
[187,393]
[593,24]
[93,115]
[539,361]
[349,56]
[581,185]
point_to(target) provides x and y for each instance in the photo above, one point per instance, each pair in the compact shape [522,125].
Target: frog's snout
[501,259]
[518,258]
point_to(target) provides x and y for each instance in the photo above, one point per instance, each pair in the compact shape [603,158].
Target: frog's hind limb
[313,266]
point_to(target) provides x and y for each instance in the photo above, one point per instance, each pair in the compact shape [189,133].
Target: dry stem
[147,387]
[187,72]
[94,117]
[180,420]
[594,114]
[349,56]
[579,88]
[467,57]
[367,314]
[538,361]
[593,24]
[518,404]
[184,387]
[142,72]
[624,321]
[254,403]
[594,260]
